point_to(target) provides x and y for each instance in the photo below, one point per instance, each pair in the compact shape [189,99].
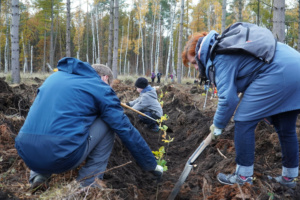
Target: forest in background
[148,31]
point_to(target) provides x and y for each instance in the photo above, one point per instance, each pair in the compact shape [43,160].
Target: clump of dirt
[190,115]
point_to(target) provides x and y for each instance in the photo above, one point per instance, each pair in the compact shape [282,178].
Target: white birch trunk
[152,45]
[68,32]
[279,20]
[137,55]
[141,30]
[120,66]
[116,39]
[25,67]
[127,46]
[223,16]
[6,43]
[31,58]
[157,43]
[172,15]
[179,63]
[51,34]
[94,41]
[98,39]
[15,53]
[110,36]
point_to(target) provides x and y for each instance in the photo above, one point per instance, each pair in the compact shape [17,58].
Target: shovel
[144,115]
[188,167]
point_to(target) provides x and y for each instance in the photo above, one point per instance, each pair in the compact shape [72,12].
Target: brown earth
[124,179]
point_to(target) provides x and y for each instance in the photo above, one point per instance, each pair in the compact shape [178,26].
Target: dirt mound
[189,119]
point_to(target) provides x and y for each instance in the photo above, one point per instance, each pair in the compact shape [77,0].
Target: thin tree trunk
[87,31]
[68,34]
[240,11]
[98,39]
[15,53]
[120,67]
[179,63]
[116,39]
[111,32]
[279,20]
[44,60]
[298,46]
[51,35]
[172,14]
[152,45]
[6,53]
[141,30]
[94,39]
[157,43]
[126,45]
[137,55]
[25,68]
[223,16]
[31,58]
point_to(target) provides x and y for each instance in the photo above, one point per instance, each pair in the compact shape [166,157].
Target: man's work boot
[39,182]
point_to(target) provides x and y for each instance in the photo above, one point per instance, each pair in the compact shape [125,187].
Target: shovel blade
[187,169]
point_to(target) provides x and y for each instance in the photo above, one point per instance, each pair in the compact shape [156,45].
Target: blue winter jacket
[55,132]
[269,88]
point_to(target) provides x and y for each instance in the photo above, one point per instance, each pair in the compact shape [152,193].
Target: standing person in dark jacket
[158,77]
[147,103]
[73,119]
[271,92]
[153,76]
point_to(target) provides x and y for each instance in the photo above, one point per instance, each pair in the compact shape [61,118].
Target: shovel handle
[143,114]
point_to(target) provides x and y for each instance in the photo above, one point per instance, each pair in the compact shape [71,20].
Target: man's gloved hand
[158,172]
[215,132]
[127,103]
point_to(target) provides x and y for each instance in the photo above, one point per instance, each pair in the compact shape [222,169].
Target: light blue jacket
[55,132]
[269,88]
[147,101]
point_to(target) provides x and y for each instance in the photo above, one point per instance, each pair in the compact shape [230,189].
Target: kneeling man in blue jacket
[73,119]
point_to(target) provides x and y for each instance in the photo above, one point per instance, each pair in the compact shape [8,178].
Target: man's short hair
[103,70]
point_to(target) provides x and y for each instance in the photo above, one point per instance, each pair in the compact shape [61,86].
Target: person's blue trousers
[96,155]
[244,140]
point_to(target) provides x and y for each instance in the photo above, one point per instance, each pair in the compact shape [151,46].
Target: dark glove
[127,103]
[157,173]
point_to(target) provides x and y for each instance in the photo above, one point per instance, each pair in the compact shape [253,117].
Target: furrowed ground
[189,122]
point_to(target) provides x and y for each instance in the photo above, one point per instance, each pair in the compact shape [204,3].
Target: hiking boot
[234,178]
[39,182]
[286,181]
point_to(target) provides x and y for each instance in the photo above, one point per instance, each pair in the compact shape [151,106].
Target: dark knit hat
[141,83]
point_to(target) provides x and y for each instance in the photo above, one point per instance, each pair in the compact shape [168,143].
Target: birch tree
[116,37]
[298,46]
[125,59]
[179,63]
[158,41]
[279,20]
[223,16]
[15,42]
[172,16]
[51,60]
[111,32]
[142,38]
[68,31]
[152,41]
[6,50]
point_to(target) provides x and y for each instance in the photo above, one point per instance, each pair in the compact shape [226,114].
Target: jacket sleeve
[227,92]
[112,113]
[142,103]
[132,103]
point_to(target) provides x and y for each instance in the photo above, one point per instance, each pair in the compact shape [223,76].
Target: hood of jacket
[203,48]
[75,66]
